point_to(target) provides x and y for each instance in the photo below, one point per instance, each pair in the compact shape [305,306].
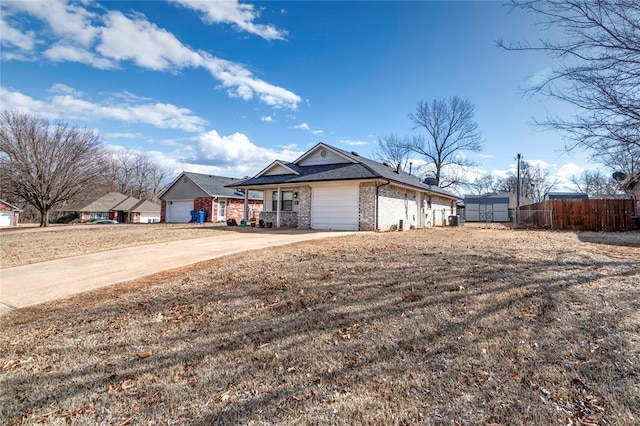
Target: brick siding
[204,204]
[163,211]
[304,207]
[367,207]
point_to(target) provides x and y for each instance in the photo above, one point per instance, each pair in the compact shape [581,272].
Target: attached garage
[179,211]
[335,207]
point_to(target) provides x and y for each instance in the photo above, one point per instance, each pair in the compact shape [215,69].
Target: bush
[67,218]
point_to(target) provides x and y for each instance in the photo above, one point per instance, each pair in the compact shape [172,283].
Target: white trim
[319,145]
[278,163]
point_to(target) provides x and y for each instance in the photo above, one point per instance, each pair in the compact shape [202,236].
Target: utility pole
[518,158]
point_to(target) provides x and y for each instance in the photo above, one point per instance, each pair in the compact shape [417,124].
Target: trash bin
[194,216]
[202,216]
[635,223]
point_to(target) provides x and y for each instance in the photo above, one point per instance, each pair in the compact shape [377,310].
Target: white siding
[151,217]
[277,169]
[315,158]
[335,207]
[179,211]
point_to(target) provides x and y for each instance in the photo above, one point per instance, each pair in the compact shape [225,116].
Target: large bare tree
[534,182]
[134,174]
[596,46]
[46,165]
[595,183]
[449,130]
[393,150]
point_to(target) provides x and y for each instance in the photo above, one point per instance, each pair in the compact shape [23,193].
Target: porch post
[246,205]
[279,208]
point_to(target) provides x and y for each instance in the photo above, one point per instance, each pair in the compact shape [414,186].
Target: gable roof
[358,168]
[214,186]
[112,201]
[14,208]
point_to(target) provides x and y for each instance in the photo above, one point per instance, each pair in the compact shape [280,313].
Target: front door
[222,210]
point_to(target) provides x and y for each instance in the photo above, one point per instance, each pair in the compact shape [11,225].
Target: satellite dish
[619,176]
[431,181]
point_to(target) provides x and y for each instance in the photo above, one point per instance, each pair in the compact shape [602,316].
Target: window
[98,215]
[287,201]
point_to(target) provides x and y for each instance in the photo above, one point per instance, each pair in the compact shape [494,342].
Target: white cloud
[569,169]
[268,119]
[124,135]
[317,132]
[303,126]
[231,12]
[352,143]
[71,106]
[232,155]
[106,39]
[16,38]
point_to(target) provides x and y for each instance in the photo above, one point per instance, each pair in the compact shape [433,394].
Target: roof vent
[386,164]
[355,153]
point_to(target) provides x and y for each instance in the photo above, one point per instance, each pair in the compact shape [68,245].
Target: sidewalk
[42,282]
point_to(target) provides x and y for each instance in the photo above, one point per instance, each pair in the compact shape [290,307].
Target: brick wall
[204,204]
[288,219]
[367,207]
[235,209]
[304,207]
[163,211]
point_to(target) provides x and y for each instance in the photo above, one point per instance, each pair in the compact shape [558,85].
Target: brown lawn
[443,326]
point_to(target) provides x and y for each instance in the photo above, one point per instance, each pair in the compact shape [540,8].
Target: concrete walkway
[42,282]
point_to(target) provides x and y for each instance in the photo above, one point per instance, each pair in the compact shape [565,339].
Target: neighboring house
[486,208]
[9,214]
[328,188]
[116,206]
[566,196]
[632,186]
[208,193]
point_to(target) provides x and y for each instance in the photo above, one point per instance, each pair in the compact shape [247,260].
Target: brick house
[9,214]
[329,188]
[116,206]
[208,193]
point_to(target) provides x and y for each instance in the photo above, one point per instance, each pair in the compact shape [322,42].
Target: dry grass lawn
[32,245]
[444,326]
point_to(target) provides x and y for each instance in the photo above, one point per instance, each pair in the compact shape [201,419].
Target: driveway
[42,282]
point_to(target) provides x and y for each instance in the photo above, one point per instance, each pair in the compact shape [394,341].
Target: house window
[98,215]
[287,201]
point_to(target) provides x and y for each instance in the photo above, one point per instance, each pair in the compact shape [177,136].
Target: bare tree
[134,174]
[486,184]
[393,150]
[598,69]
[45,165]
[450,130]
[535,183]
[595,183]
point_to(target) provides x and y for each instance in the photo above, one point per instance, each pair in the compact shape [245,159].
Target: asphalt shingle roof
[363,168]
[218,186]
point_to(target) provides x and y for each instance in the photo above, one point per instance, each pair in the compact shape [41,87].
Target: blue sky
[227,87]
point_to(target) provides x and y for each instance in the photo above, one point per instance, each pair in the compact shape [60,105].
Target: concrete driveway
[42,282]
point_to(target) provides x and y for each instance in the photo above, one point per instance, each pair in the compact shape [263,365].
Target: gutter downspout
[377,202]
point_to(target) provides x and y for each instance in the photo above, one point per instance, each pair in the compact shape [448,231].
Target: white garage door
[335,207]
[179,211]
[5,219]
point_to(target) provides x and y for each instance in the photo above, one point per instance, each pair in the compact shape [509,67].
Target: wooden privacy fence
[608,215]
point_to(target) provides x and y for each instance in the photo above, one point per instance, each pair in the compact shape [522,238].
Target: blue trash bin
[194,216]
[202,216]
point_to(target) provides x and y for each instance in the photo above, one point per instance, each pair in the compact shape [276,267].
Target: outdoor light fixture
[295,195]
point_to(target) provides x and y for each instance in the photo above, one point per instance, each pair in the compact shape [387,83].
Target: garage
[5,219]
[335,207]
[179,211]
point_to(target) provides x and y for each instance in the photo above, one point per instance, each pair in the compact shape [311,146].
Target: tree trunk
[44,218]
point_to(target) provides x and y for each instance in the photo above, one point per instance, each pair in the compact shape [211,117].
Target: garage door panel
[335,207]
[179,211]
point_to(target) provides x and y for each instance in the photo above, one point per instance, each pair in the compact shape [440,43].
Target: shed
[9,214]
[486,208]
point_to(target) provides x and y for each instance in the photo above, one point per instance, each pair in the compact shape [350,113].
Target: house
[9,214]
[208,193]
[486,208]
[329,188]
[116,206]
